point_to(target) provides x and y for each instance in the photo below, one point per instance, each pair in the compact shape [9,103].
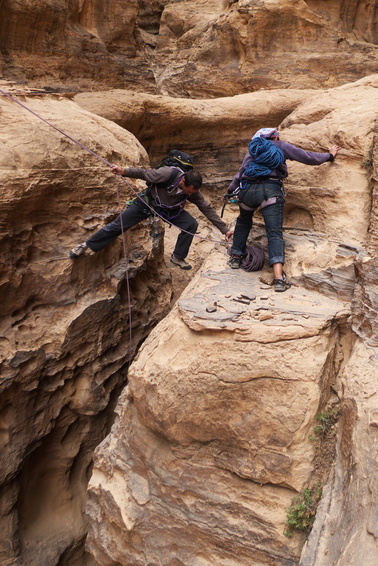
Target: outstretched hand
[117,170]
[334,149]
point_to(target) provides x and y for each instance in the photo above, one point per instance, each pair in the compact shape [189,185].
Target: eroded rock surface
[65,326]
[213,432]
[345,531]
[207,452]
[191,49]
[222,402]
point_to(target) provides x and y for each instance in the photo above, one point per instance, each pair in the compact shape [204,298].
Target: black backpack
[177,158]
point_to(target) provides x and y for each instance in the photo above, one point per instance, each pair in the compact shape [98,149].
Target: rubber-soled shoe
[281,284]
[180,262]
[78,250]
[235,261]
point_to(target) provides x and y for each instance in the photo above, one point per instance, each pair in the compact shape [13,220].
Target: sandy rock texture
[212,435]
[69,43]
[320,200]
[345,530]
[214,132]
[247,45]
[214,432]
[65,326]
[197,48]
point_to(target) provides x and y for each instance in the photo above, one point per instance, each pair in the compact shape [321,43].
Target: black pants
[134,214]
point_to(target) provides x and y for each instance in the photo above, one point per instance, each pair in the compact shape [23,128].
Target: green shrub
[302,512]
[326,420]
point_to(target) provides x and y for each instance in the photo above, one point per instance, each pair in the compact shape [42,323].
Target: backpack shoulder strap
[174,179]
[171,183]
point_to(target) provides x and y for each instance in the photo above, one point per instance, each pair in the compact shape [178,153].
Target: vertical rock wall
[171,461]
[65,326]
[212,438]
[345,531]
[189,49]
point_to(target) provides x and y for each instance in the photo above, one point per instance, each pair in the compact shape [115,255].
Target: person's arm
[307,157]
[236,180]
[153,176]
[208,211]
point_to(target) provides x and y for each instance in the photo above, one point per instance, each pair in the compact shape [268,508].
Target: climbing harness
[229,197]
[168,212]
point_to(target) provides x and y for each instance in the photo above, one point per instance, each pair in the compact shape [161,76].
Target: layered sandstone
[214,432]
[189,49]
[65,326]
[211,438]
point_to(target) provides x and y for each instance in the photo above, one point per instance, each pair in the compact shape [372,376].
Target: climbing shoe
[281,284]
[235,261]
[78,250]
[180,262]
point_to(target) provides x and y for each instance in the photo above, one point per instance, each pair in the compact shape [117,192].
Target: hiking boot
[235,261]
[181,263]
[78,250]
[281,284]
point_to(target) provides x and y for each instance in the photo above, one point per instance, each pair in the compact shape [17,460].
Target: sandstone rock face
[213,435]
[319,198]
[189,49]
[345,527]
[346,524]
[65,326]
[263,44]
[85,42]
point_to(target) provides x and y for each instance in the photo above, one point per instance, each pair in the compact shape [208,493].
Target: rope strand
[126,272]
[104,161]
[87,149]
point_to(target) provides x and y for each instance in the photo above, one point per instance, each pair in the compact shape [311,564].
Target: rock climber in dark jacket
[262,187]
[168,189]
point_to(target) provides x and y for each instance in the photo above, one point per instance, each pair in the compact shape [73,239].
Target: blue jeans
[253,196]
[134,214]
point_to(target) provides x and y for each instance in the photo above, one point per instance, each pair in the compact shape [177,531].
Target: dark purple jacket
[290,152]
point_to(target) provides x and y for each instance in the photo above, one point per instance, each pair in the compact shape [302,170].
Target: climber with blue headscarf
[259,182]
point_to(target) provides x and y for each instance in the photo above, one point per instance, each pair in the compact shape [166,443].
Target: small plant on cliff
[326,420]
[302,512]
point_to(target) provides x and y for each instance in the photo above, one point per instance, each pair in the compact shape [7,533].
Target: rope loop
[253,260]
